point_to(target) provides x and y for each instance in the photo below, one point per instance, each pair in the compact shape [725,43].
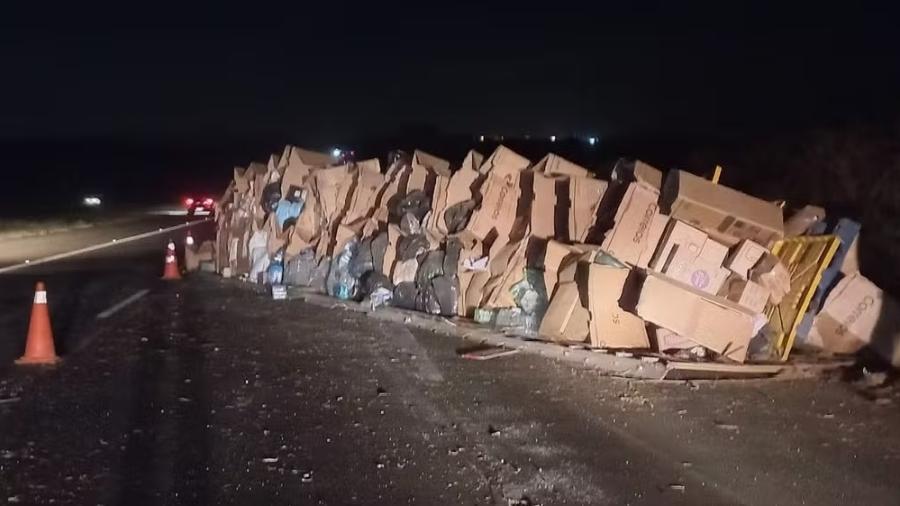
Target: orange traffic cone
[171,271]
[39,348]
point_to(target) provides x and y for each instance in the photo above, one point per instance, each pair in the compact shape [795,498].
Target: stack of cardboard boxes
[646,261]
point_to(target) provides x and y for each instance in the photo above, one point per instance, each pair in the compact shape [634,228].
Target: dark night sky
[345,70]
[142,102]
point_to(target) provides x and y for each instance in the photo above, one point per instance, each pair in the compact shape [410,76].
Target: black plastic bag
[379,247]
[430,268]
[416,202]
[452,250]
[374,280]
[446,292]
[362,261]
[405,295]
[409,247]
[456,217]
[271,196]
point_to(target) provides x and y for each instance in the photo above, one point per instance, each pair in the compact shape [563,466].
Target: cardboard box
[543,206]
[702,270]
[772,274]
[556,256]
[555,165]
[369,180]
[654,239]
[744,257]
[300,163]
[504,161]
[710,321]
[747,294]
[630,235]
[681,244]
[627,171]
[727,215]
[850,264]
[500,194]
[701,274]
[610,325]
[566,320]
[438,165]
[857,314]
[585,195]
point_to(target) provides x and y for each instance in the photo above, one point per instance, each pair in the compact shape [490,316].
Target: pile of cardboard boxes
[671,264]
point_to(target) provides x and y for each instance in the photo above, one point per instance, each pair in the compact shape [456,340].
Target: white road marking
[95,247]
[116,307]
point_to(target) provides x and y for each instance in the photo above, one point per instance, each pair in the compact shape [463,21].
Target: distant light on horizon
[481,138]
[552,138]
[336,152]
[592,141]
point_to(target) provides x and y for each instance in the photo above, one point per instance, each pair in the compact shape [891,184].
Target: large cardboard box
[611,326]
[711,321]
[585,195]
[654,240]
[499,204]
[630,235]
[556,256]
[566,320]
[300,163]
[365,192]
[727,215]
[856,314]
[543,206]
[744,257]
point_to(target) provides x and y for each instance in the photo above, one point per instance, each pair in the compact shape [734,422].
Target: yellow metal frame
[806,258]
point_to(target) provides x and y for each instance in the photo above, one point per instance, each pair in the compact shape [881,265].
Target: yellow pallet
[806,258]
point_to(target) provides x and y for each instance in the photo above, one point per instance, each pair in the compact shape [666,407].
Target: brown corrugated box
[746,294]
[630,235]
[611,326]
[585,195]
[500,194]
[566,319]
[857,313]
[727,215]
[710,321]
[744,257]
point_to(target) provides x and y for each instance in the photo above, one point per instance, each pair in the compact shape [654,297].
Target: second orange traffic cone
[39,347]
[171,271]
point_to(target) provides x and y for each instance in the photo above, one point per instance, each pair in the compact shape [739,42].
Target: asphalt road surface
[206,392]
